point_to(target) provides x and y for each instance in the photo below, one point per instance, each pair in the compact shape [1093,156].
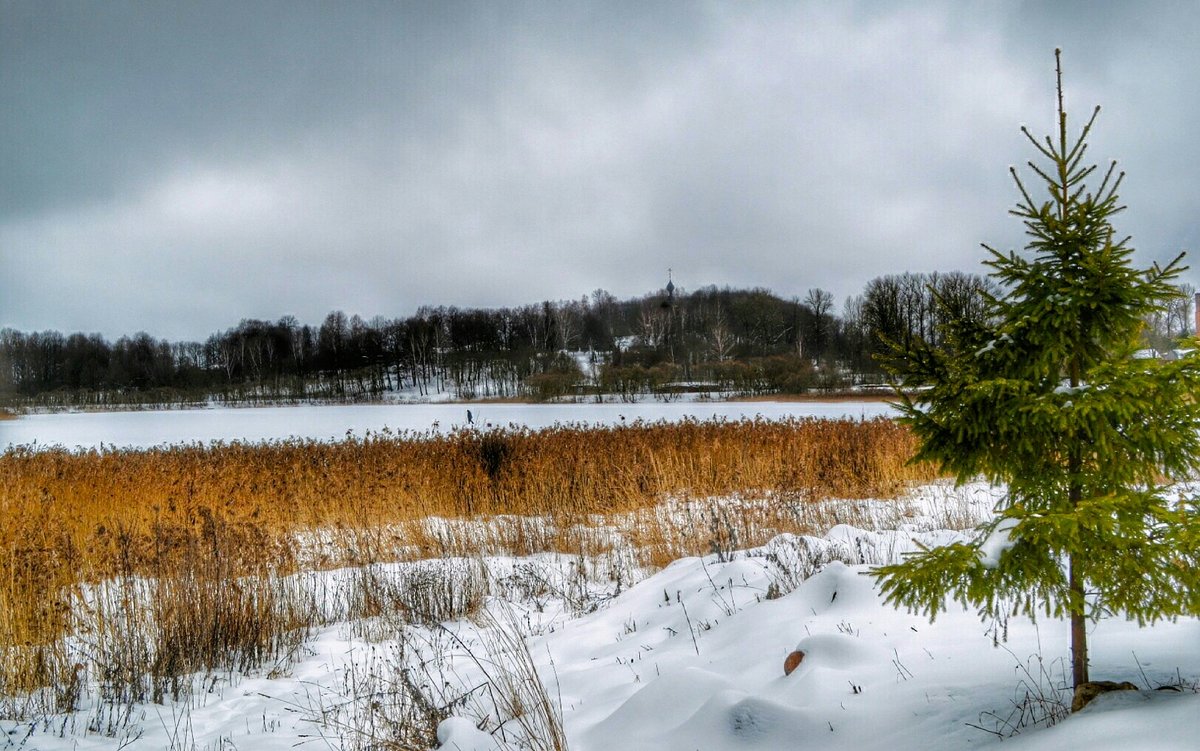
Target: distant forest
[735,341]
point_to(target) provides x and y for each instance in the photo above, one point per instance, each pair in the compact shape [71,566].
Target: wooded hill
[741,341]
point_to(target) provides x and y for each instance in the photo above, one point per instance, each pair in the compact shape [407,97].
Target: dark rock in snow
[792,662]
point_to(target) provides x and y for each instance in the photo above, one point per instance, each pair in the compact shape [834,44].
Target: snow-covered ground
[692,658]
[253,424]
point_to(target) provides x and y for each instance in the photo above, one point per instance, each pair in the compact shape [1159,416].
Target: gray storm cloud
[174,168]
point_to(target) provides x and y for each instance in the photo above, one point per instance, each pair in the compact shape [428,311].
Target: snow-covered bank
[323,423]
[691,657]
[872,677]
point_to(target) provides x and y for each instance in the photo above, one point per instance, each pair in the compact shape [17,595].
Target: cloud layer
[174,170]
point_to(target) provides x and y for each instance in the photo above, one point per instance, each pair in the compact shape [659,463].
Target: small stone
[793,661]
[1085,692]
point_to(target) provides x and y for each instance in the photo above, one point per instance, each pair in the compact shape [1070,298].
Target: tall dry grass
[214,528]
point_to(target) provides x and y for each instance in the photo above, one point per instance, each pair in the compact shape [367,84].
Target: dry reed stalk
[191,516]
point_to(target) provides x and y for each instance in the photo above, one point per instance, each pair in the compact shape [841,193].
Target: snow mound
[460,734]
[1125,721]
[837,588]
[732,719]
[837,651]
[685,692]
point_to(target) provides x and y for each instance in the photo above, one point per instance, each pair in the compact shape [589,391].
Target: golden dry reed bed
[193,519]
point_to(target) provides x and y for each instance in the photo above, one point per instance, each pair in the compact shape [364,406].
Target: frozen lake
[256,424]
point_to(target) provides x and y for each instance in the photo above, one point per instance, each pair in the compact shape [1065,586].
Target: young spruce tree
[1044,395]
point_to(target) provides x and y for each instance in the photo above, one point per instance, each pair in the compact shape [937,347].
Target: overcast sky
[175,167]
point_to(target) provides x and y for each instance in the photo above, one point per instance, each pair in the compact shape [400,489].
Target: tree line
[747,341]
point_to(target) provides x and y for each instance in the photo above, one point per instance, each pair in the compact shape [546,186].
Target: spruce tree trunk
[1079,656]
[1075,595]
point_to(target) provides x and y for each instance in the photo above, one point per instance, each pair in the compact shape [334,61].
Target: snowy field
[255,424]
[691,657]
